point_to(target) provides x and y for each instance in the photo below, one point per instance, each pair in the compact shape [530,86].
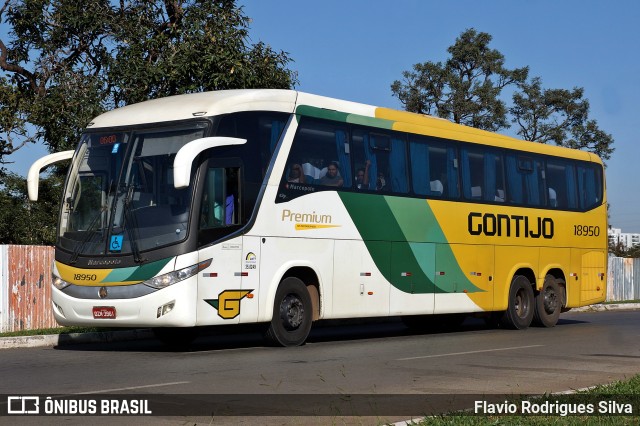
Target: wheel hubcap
[550,301]
[521,304]
[291,312]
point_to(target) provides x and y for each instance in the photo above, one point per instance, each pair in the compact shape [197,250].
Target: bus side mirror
[33,177]
[185,156]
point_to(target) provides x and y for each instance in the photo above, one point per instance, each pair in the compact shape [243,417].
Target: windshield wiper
[130,224]
[88,235]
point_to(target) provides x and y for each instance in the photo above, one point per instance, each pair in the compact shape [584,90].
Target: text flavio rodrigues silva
[554,408]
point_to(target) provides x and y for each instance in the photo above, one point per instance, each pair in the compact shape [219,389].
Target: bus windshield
[120,197]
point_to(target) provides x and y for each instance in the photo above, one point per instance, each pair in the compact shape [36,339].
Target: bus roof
[182,107]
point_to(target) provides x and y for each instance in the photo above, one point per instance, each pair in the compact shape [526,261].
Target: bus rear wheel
[292,314]
[519,313]
[548,303]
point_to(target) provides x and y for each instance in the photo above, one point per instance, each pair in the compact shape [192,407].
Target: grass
[623,392]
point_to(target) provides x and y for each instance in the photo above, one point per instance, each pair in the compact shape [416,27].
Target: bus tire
[548,303]
[292,314]
[519,313]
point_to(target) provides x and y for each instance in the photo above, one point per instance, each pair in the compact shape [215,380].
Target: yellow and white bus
[282,207]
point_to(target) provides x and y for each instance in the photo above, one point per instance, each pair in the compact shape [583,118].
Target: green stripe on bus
[327,114]
[150,270]
[402,236]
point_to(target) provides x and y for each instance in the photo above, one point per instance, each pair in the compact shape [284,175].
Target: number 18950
[586,230]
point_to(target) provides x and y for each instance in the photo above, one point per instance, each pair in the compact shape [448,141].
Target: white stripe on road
[131,388]
[470,352]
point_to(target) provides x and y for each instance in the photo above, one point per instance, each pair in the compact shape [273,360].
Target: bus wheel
[519,313]
[548,303]
[292,314]
[176,337]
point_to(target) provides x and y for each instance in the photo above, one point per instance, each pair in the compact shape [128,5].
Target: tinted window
[434,170]
[589,186]
[321,152]
[561,184]
[382,158]
[525,180]
[482,174]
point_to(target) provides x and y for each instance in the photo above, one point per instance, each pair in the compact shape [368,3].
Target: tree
[618,249]
[558,116]
[466,88]
[63,62]
[181,47]
[22,222]
[67,61]
[52,71]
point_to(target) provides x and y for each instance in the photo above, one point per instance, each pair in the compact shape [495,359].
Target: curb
[600,307]
[74,338]
[146,334]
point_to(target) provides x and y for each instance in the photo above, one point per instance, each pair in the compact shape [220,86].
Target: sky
[355,49]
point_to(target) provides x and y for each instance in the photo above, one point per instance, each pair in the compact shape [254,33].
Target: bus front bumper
[174,306]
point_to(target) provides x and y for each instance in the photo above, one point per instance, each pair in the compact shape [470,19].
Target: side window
[482,175]
[219,206]
[262,131]
[434,170]
[525,177]
[380,161]
[319,156]
[561,185]
[589,186]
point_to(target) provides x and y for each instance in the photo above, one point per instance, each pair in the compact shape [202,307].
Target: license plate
[104,312]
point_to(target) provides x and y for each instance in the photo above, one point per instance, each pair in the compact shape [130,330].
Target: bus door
[220,286]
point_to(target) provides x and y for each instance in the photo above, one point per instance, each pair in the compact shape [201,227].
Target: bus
[283,208]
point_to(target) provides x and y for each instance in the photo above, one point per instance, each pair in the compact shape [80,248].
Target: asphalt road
[380,360]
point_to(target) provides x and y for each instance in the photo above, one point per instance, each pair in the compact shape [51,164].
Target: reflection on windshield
[120,197]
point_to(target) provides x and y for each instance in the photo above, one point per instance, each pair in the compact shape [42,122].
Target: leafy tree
[558,116]
[22,222]
[180,47]
[633,251]
[67,61]
[52,71]
[63,62]
[617,249]
[467,88]
[464,89]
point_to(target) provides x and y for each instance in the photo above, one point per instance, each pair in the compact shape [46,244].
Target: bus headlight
[58,282]
[163,281]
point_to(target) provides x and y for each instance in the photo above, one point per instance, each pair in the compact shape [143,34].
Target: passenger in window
[381,183]
[295,174]
[332,178]
[362,177]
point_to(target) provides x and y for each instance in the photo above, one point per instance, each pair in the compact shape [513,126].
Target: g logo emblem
[102,293]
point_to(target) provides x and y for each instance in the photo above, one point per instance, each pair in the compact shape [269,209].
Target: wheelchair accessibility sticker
[116,243]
